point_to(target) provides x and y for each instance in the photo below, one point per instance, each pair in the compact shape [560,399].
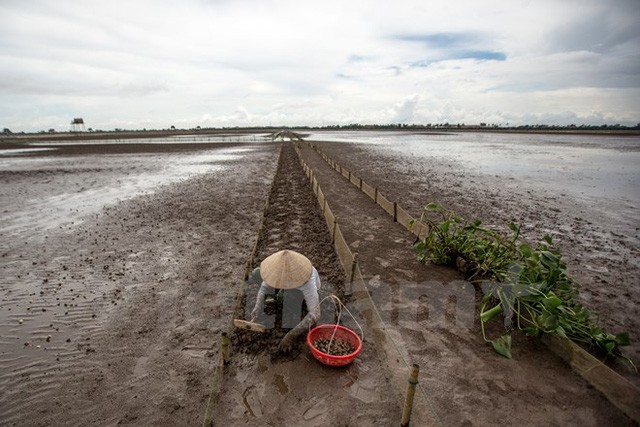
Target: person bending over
[287,269]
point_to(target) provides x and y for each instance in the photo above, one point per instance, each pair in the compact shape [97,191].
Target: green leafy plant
[527,285]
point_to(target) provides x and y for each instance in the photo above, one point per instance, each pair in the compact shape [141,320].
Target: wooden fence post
[224,348]
[354,264]
[333,233]
[408,401]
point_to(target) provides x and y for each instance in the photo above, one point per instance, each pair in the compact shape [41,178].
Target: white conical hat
[286,269]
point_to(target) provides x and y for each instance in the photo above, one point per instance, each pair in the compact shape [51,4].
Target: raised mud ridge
[292,220]
[262,388]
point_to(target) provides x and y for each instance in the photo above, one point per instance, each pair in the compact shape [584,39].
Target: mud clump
[249,342]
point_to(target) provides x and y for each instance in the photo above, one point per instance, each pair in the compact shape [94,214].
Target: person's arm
[311,298]
[259,307]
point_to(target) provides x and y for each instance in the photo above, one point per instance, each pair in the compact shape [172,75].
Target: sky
[222,63]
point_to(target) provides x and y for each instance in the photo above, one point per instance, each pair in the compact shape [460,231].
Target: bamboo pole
[224,348]
[408,401]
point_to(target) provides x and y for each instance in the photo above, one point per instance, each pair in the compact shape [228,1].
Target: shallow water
[586,166]
[178,139]
[85,184]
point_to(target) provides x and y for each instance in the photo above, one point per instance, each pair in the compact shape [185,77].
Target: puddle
[280,384]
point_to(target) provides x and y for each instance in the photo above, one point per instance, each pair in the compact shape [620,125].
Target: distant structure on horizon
[77,125]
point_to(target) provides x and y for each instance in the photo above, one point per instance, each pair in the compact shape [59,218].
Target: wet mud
[292,220]
[112,316]
[431,314]
[295,389]
[600,243]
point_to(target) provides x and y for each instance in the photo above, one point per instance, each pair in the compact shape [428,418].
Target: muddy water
[591,166]
[56,191]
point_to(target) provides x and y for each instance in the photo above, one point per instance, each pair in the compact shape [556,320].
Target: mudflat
[120,265]
[599,241]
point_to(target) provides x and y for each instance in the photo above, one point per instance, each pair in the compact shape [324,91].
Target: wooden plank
[252,326]
[368,190]
[404,218]
[385,203]
[617,389]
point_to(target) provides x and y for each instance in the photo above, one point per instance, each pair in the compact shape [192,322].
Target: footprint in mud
[252,402]
[318,408]
[369,237]
[383,262]
[364,390]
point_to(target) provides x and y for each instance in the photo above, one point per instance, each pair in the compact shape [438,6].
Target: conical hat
[286,269]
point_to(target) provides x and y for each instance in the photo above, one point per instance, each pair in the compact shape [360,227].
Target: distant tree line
[358,126]
[454,126]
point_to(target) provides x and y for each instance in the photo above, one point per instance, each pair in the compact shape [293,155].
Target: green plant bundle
[527,285]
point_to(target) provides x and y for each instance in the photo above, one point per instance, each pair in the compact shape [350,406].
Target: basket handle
[339,304]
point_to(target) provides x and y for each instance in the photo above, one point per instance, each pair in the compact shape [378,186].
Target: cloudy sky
[154,63]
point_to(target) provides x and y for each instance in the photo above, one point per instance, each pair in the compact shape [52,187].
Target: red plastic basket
[341,333]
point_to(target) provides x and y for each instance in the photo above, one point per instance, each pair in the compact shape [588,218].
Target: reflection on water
[14,151]
[178,139]
[584,165]
[62,190]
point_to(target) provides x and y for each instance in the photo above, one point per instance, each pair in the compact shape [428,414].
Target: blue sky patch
[481,55]
[440,40]
[463,45]
[478,55]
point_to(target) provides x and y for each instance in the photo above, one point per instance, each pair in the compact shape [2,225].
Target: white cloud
[404,111]
[248,62]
